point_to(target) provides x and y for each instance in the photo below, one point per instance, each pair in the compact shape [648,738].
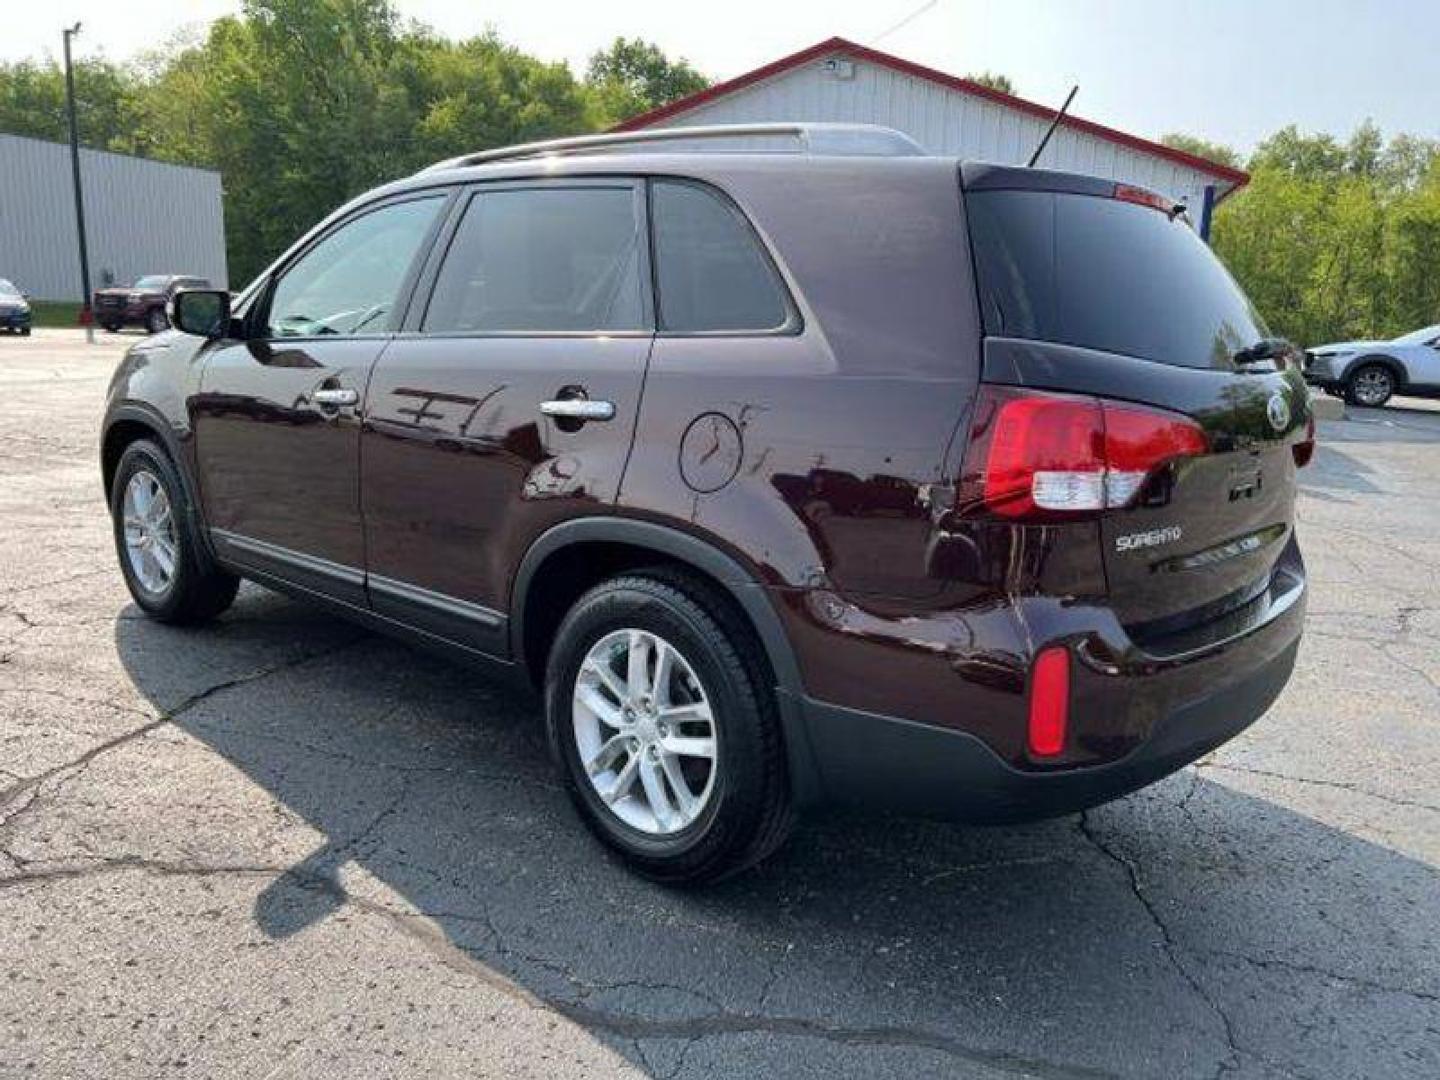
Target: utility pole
[86,315]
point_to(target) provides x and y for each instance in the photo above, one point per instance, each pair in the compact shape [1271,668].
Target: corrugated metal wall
[944,121]
[142,217]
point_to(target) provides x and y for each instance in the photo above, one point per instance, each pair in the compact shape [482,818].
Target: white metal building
[141,217]
[838,80]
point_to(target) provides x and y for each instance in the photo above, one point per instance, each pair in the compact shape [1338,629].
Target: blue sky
[1226,70]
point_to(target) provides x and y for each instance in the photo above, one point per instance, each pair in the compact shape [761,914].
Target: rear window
[1105,274]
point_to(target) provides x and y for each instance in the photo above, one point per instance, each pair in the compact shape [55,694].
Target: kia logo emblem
[1278,410]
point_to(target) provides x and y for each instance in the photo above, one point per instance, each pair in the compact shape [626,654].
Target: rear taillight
[1036,454]
[1305,450]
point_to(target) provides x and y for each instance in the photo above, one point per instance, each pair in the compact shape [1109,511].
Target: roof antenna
[1053,125]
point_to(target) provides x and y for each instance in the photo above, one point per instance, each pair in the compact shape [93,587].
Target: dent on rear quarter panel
[843,428]
[846,431]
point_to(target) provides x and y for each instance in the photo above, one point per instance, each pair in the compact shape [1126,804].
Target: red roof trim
[840,45]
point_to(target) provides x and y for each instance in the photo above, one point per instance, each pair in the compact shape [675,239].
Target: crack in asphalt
[1167,941]
[418,927]
[167,716]
[1338,785]
[529,781]
[1324,973]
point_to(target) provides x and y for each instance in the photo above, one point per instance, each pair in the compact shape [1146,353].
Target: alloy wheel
[645,731]
[150,541]
[1373,386]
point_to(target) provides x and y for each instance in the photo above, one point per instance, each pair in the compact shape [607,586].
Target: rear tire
[111,327]
[156,322]
[1370,385]
[736,806]
[169,574]
[25,331]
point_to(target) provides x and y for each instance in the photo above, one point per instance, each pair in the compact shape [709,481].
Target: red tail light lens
[1142,197]
[1305,450]
[1034,454]
[1049,702]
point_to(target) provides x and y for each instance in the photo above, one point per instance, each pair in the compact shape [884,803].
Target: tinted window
[350,281]
[1105,274]
[710,271]
[542,259]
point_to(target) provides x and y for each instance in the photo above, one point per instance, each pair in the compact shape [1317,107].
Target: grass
[54,313]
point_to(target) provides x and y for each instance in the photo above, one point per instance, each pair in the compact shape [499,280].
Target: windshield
[1419,337]
[1105,274]
[153,281]
[6,289]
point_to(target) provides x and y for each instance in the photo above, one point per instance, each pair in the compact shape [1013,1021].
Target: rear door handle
[335,398]
[578,409]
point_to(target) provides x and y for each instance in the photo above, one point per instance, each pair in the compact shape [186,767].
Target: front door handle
[328,398]
[578,408]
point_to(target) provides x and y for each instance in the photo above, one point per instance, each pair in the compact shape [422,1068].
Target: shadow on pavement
[1182,931]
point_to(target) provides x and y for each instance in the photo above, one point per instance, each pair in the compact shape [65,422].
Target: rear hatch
[1105,292]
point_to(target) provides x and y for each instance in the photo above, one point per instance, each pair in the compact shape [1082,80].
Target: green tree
[1338,240]
[32,102]
[992,80]
[633,76]
[1211,151]
[1365,149]
[1301,155]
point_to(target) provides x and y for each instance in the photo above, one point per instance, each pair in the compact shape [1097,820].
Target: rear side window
[542,259]
[1105,274]
[711,274]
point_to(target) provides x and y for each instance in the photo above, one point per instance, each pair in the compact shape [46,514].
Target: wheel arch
[631,544]
[653,542]
[132,421]
[1385,360]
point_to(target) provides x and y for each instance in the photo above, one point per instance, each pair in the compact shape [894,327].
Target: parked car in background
[14,309]
[142,304]
[1370,372]
[972,496]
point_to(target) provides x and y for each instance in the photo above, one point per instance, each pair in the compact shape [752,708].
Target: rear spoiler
[981,176]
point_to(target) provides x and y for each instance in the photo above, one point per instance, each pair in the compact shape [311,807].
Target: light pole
[86,315]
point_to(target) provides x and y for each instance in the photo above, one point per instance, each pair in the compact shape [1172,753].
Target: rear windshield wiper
[1264,351]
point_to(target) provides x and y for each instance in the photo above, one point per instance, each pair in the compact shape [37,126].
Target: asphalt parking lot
[283,847]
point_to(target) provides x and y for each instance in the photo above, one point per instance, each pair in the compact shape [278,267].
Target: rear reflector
[1305,450]
[1049,702]
[1035,454]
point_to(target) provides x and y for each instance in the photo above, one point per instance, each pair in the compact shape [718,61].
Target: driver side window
[348,283]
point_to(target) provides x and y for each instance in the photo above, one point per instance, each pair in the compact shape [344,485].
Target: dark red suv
[141,304]
[815,470]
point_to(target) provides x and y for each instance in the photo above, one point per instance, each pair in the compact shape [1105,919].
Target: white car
[1368,372]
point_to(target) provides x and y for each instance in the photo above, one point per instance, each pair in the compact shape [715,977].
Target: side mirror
[205,312]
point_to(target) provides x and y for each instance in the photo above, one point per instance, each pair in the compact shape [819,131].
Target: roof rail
[869,140]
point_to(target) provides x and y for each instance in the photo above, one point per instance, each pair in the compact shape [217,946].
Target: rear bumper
[886,763]
[1132,722]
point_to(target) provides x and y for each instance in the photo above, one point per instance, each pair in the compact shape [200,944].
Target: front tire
[1370,385]
[664,724]
[169,575]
